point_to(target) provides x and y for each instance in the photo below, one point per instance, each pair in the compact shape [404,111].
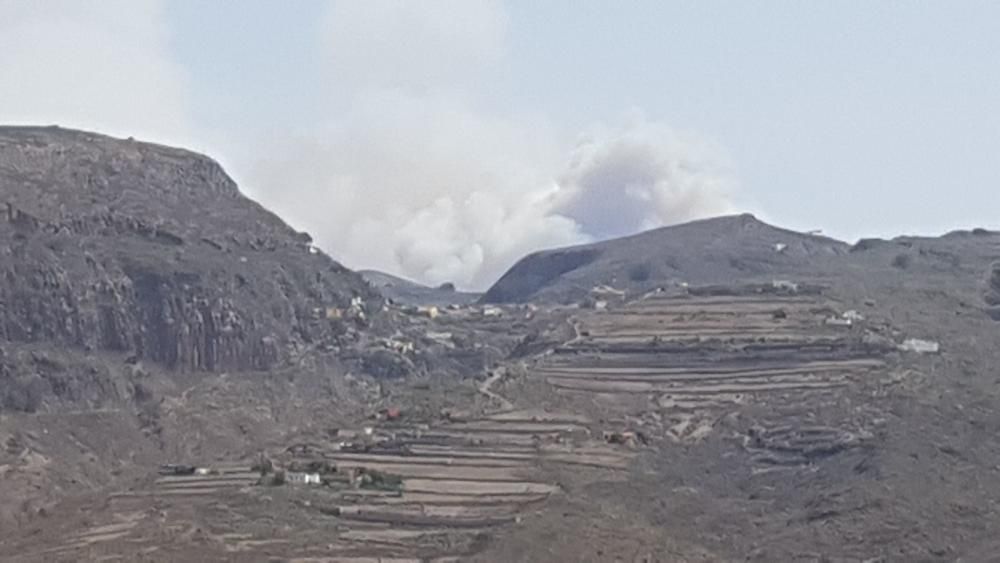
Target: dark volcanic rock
[118,245]
[706,251]
[992,293]
[993,286]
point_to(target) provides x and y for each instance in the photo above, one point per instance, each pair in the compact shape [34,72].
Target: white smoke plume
[640,177]
[431,191]
[405,168]
[410,175]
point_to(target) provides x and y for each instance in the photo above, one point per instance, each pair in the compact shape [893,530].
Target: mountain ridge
[408,292]
[693,252]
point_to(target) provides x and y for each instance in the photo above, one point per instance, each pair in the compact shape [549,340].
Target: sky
[444,139]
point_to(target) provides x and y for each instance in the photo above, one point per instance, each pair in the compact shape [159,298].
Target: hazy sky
[444,139]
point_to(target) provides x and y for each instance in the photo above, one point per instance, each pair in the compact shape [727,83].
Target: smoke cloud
[408,166]
[411,175]
[425,188]
[640,177]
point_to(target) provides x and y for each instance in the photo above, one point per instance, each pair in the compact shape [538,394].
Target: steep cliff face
[151,251]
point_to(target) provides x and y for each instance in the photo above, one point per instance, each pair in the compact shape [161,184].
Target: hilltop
[152,251]
[705,251]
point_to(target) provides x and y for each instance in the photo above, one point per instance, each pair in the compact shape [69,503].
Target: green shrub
[902,261]
[640,272]
[374,479]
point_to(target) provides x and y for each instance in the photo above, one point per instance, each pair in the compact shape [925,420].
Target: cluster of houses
[433,311]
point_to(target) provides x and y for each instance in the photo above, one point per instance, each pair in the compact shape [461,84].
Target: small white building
[920,346]
[785,285]
[492,311]
[838,321]
[429,311]
[853,316]
[301,478]
[607,292]
[439,337]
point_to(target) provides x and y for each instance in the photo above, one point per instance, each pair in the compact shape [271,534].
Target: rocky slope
[741,247]
[153,252]
[151,313]
[705,251]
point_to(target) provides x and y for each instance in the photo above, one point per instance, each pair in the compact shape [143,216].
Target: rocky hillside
[152,252]
[706,251]
[408,292]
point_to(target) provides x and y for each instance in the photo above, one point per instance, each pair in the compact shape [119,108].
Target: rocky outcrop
[992,293]
[153,252]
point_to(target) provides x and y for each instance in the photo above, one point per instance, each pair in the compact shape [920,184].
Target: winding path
[484,388]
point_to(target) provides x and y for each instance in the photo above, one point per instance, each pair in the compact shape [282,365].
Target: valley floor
[761,426]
